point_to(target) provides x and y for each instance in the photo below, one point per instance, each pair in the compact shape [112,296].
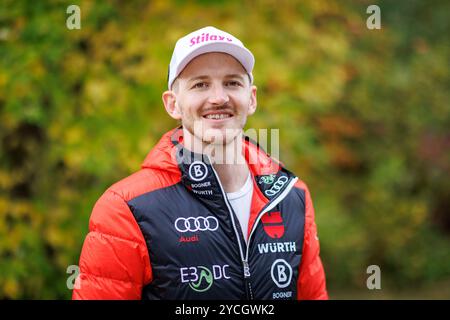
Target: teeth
[217,116]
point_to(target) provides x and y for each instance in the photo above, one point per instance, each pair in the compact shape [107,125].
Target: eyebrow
[203,77]
[235,75]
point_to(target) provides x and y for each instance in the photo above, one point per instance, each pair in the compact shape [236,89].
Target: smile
[217,116]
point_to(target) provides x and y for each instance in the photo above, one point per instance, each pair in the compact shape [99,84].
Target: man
[201,220]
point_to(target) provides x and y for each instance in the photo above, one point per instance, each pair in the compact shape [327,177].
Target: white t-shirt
[241,201]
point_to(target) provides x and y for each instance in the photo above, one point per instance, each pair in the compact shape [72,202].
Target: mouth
[217,115]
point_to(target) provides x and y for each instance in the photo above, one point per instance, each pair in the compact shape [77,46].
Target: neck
[227,159]
[232,176]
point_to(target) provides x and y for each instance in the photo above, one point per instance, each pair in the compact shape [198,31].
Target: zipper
[246,269]
[249,290]
[244,257]
[238,236]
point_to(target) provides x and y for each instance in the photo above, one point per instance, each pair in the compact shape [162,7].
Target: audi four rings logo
[194,224]
[277,186]
[198,171]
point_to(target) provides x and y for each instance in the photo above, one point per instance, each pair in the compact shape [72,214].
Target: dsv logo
[194,224]
[277,186]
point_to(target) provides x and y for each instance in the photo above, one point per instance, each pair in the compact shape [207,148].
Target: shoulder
[303,189]
[111,212]
[143,181]
[300,184]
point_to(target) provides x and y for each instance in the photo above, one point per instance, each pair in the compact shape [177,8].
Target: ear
[253,101]
[170,103]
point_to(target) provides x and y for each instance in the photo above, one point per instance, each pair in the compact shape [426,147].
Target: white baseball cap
[204,40]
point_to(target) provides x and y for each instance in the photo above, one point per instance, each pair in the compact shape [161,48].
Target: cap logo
[207,37]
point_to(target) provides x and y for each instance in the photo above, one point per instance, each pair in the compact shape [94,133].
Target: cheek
[189,113]
[183,106]
[192,106]
[243,102]
[193,112]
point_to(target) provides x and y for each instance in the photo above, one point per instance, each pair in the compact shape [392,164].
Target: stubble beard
[221,145]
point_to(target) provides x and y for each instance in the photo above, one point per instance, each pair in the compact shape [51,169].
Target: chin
[220,136]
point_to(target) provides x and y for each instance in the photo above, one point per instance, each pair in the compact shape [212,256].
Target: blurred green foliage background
[363,114]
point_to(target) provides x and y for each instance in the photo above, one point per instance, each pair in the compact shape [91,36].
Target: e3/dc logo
[201,278]
[198,171]
[281,273]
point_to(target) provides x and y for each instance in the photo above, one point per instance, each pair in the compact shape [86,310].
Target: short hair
[175,85]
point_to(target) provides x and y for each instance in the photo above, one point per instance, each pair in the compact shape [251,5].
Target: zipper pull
[246,269]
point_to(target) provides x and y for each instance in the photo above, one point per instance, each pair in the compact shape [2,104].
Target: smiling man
[210,215]
[212,97]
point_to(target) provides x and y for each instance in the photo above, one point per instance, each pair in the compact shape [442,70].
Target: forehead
[212,64]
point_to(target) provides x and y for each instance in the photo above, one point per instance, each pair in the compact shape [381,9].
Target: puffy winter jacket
[169,232]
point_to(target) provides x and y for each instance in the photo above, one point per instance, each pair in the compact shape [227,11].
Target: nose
[218,95]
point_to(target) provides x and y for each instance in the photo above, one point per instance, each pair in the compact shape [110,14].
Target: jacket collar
[198,175]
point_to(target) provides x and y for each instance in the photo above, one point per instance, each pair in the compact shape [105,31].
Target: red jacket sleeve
[311,281]
[114,261]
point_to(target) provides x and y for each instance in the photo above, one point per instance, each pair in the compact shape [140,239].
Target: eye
[233,83]
[199,85]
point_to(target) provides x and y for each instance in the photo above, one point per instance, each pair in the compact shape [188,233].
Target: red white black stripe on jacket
[169,232]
